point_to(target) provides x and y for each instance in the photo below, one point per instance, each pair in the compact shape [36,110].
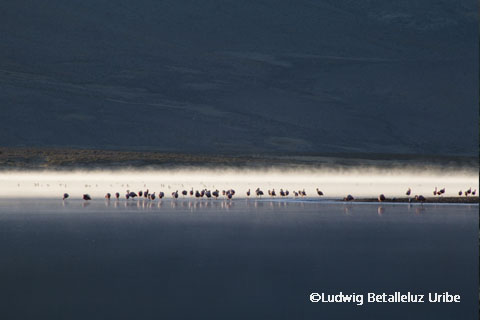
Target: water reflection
[257,205]
[348,209]
[380,211]
[419,209]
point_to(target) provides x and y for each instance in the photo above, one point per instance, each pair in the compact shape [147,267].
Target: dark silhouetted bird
[420,198]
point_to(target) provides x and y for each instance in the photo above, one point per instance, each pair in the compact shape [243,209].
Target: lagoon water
[241,259]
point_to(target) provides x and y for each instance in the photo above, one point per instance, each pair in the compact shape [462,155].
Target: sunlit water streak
[333,183]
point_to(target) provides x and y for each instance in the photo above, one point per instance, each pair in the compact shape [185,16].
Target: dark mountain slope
[241,76]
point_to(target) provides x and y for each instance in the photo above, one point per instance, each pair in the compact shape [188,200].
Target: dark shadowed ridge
[241,76]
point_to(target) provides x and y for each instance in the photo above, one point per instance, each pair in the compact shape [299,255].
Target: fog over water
[360,182]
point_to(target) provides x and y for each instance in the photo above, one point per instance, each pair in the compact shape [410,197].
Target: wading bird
[108,196]
[259,192]
[381,197]
[348,198]
[320,193]
[65,196]
[117,195]
[420,198]
[87,197]
[409,191]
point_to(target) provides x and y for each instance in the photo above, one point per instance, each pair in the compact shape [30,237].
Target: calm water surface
[189,259]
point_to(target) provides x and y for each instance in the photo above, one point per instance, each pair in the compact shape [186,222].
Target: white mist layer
[333,183]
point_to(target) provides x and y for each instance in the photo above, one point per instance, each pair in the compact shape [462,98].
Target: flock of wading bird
[228,194]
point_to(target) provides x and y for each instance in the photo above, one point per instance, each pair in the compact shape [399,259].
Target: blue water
[232,260]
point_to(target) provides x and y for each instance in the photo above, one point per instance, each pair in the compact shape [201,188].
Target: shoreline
[431,200]
[460,199]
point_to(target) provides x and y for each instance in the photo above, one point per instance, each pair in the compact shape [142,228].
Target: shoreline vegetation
[34,158]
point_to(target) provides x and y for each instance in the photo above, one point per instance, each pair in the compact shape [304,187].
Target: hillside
[241,77]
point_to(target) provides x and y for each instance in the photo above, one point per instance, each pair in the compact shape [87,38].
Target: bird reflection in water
[348,209]
[419,209]
[380,211]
